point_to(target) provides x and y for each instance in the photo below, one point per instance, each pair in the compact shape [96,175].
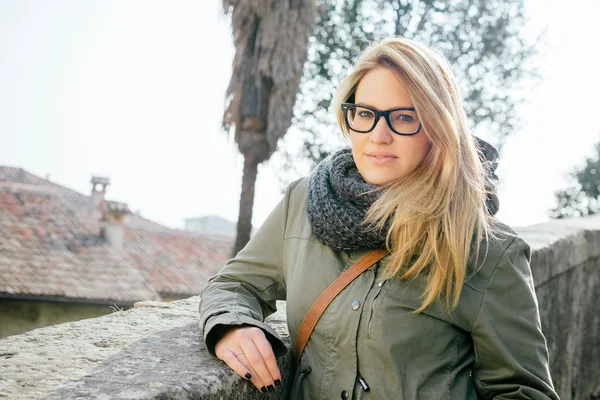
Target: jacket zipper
[380,284]
[298,381]
[304,372]
[363,383]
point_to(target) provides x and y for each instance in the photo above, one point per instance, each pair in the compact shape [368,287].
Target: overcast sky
[133,90]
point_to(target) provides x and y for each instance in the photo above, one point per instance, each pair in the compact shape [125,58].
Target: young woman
[450,312]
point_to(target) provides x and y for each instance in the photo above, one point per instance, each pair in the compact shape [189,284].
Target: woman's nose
[381,134]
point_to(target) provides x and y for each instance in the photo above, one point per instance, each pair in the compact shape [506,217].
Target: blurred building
[66,256]
[211,224]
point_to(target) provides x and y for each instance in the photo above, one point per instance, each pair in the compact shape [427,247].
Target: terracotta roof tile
[51,246]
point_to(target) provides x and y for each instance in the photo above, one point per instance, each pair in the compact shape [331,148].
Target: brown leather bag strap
[317,309]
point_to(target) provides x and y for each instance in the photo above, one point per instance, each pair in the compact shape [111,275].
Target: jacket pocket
[374,303]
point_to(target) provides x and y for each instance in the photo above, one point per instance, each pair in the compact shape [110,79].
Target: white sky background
[134,90]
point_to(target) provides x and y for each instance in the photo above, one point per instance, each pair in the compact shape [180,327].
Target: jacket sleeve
[245,290]
[511,357]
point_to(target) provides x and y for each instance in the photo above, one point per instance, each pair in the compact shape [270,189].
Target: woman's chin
[379,179]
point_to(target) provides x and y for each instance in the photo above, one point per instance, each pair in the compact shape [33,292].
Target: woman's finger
[241,368]
[256,378]
[256,361]
[268,356]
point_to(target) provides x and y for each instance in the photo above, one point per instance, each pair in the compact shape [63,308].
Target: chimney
[113,229]
[99,185]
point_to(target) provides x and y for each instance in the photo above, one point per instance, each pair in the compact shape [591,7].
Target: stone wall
[566,270]
[18,316]
[154,350]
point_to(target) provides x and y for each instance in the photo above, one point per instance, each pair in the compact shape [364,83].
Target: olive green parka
[368,344]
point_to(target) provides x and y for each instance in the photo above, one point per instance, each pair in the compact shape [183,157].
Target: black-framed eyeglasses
[363,119]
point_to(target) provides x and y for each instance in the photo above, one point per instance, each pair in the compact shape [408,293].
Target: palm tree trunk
[244,224]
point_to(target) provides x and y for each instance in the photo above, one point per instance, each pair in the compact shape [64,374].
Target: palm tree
[271,40]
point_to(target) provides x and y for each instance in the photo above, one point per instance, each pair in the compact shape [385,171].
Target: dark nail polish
[277,382]
[248,375]
[263,389]
[270,388]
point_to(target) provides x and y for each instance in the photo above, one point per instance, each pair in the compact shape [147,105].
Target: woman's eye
[404,118]
[365,114]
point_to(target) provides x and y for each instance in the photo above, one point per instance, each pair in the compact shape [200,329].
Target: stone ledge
[565,262]
[151,351]
[560,245]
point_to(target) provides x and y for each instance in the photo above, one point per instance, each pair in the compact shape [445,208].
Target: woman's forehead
[382,89]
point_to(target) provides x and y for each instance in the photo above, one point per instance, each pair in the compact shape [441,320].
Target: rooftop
[52,247]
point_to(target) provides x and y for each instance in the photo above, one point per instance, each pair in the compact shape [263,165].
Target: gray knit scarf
[339,198]
[338,201]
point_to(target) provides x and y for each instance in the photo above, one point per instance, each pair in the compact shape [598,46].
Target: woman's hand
[247,351]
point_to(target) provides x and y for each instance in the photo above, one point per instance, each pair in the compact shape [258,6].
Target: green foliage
[582,196]
[482,39]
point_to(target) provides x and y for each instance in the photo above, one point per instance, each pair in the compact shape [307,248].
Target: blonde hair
[438,211]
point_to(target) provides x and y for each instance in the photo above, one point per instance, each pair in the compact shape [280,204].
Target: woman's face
[381,155]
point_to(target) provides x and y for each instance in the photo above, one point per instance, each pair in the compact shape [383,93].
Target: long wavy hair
[437,212]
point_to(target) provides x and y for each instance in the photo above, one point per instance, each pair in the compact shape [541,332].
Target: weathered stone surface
[154,351]
[566,267]
[151,351]
[18,315]
[560,245]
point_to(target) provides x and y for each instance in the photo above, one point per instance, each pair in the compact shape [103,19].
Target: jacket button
[345,395]
[355,305]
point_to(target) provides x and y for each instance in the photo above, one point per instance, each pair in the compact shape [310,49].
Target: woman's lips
[381,159]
